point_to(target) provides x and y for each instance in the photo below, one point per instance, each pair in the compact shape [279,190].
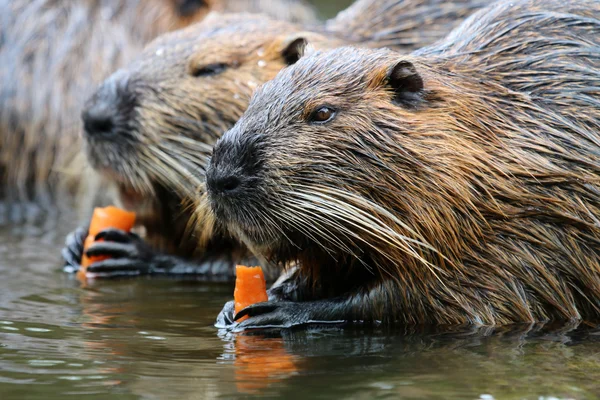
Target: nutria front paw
[128,255]
[283,314]
[73,249]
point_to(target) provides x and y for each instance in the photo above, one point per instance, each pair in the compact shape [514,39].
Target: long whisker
[349,214]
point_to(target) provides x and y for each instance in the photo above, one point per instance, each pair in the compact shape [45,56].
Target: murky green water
[154,339]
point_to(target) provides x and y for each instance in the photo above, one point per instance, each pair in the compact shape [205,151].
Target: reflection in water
[99,314]
[259,360]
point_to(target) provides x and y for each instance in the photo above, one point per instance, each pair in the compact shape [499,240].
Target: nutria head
[54,54]
[305,168]
[375,158]
[424,173]
[153,124]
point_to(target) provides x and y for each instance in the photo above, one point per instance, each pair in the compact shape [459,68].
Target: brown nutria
[166,110]
[460,184]
[54,53]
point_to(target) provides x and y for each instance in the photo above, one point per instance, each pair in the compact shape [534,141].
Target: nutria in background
[297,11]
[150,127]
[460,184]
[54,53]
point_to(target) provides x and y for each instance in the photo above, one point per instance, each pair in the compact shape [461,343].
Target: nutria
[53,54]
[188,87]
[460,184]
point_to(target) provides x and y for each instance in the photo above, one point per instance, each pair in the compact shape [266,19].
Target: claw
[116,235]
[71,260]
[114,267]
[271,315]
[263,322]
[257,309]
[73,249]
[287,314]
[112,249]
[74,241]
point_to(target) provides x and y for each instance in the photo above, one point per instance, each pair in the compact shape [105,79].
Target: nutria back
[460,184]
[404,25]
[296,11]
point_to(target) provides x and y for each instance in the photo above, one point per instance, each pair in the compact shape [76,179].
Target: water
[154,339]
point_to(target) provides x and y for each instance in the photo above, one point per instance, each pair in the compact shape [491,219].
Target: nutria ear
[293,48]
[407,84]
[187,8]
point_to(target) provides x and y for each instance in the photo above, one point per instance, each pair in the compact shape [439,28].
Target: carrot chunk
[250,287]
[103,218]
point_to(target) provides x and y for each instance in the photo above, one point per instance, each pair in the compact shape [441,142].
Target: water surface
[154,339]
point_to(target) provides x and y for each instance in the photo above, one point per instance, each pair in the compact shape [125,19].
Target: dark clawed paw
[273,314]
[73,249]
[113,249]
[118,267]
[117,235]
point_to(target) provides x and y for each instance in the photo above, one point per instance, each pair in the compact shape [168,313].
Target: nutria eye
[208,70]
[322,115]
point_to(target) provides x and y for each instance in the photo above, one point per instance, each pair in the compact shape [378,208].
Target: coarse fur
[460,184]
[53,54]
[190,86]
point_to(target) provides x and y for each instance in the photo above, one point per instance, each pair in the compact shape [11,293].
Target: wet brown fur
[477,201]
[178,116]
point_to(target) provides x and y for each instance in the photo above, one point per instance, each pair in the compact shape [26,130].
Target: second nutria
[54,53]
[152,125]
[460,184]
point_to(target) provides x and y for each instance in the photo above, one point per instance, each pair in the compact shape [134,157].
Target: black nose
[99,118]
[108,111]
[224,184]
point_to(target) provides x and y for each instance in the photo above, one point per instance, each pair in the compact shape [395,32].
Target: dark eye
[322,114]
[207,70]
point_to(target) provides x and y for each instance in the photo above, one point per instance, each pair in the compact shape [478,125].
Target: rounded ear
[407,84]
[187,8]
[293,48]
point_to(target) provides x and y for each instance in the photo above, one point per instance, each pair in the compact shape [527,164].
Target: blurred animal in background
[53,53]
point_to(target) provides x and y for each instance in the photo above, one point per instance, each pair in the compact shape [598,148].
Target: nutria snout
[107,113]
[236,175]
[108,122]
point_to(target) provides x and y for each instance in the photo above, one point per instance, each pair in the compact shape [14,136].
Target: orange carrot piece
[104,218]
[250,287]
[111,217]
